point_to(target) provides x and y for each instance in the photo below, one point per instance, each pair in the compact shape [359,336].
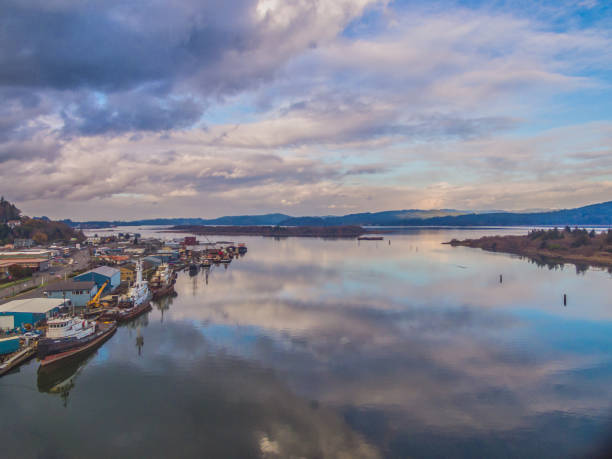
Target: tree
[19,272]
[40,238]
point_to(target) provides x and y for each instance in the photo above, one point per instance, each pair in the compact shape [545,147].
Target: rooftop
[36,305]
[70,285]
[16,261]
[103,270]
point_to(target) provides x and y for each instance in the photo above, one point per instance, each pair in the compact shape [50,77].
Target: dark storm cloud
[111,46]
[132,54]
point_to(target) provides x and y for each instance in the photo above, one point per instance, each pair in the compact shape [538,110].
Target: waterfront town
[61,301]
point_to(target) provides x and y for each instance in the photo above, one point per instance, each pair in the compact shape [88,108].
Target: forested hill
[596,214]
[8,211]
[237,220]
[42,230]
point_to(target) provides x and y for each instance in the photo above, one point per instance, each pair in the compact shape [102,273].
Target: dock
[17,359]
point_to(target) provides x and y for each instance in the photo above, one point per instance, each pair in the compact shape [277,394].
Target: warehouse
[100,276]
[78,292]
[17,313]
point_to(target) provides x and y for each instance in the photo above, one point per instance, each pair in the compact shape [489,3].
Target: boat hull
[105,332]
[124,315]
[48,346]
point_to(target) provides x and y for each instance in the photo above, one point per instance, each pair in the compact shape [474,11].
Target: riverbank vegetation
[577,246]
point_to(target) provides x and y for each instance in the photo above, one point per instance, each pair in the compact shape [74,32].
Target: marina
[66,327]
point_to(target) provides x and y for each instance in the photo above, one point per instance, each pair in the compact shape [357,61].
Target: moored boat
[162,282]
[65,333]
[134,303]
[103,332]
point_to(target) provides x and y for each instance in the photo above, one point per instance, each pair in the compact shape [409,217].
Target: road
[54,274]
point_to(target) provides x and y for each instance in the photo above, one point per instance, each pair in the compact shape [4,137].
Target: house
[78,292]
[100,276]
[13,223]
[17,313]
[20,243]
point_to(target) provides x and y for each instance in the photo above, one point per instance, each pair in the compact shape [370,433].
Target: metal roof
[70,285]
[102,270]
[34,305]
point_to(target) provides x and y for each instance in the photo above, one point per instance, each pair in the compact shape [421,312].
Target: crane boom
[95,301]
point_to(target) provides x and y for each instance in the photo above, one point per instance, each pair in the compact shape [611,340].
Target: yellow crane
[95,301]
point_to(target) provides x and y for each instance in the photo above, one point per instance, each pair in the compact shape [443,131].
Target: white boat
[139,292]
[69,327]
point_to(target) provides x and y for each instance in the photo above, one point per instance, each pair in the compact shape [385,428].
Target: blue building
[167,256]
[101,275]
[78,292]
[17,313]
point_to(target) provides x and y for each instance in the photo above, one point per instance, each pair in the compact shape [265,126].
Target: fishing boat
[134,303]
[58,350]
[162,281]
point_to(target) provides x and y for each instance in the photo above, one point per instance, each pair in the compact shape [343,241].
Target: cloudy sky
[129,109]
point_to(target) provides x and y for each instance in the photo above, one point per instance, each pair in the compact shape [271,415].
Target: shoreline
[577,247]
[343,232]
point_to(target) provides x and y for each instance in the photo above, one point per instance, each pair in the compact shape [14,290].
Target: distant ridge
[239,220]
[594,214]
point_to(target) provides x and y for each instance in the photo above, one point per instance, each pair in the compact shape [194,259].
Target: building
[13,223]
[156,261]
[128,274]
[190,240]
[35,264]
[128,271]
[167,255]
[101,275]
[19,243]
[78,292]
[17,313]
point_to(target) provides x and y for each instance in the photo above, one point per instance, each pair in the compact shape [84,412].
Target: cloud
[306,106]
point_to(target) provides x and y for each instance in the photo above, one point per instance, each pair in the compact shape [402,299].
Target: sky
[133,109]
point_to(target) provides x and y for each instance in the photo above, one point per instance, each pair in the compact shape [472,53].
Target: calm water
[318,348]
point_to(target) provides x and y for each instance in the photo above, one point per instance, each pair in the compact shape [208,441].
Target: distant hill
[238,220]
[397,217]
[596,214]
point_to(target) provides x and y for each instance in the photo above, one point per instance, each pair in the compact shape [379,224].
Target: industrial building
[35,264]
[100,276]
[17,313]
[78,292]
